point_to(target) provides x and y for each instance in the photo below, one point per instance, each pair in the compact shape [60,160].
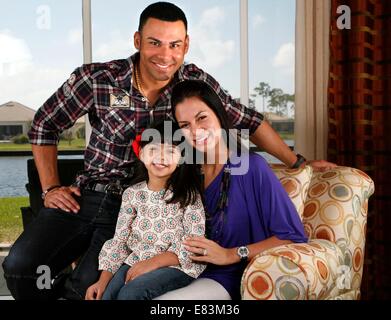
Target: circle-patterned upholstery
[333,206]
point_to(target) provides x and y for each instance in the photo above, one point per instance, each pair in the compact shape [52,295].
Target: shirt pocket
[118,122]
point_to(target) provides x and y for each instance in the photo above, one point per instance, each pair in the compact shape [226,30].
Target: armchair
[333,206]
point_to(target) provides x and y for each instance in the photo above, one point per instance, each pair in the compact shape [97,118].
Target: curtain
[360,122]
[311,77]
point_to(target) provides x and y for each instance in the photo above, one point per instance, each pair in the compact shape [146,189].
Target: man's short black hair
[164,11]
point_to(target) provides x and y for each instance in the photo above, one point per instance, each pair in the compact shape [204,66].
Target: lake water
[13,173]
[13,176]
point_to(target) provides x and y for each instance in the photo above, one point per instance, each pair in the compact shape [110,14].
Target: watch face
[243,252]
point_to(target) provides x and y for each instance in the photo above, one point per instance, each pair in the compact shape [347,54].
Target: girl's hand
[95,291]
[205,250]
[140,268]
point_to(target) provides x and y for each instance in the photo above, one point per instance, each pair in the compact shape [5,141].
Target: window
[271,63]
[41,44]
[7,132]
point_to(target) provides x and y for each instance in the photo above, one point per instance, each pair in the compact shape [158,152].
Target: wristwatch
[300,160]
[45,192]
[243,253]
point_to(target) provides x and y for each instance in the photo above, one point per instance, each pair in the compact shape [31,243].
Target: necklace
[138,80]
[214,232]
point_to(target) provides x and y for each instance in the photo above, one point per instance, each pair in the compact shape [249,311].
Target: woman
[246,213]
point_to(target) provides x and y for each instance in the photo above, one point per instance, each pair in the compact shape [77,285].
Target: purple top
[258,208]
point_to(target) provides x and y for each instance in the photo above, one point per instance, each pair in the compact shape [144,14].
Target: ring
[205,252]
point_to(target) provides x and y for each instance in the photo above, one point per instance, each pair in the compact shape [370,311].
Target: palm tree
[276,100]
[263,90]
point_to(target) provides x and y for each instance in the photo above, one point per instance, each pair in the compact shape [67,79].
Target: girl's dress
[148,226]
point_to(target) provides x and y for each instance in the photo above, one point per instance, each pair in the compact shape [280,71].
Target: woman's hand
[95,291]
[139,269]
[205,250]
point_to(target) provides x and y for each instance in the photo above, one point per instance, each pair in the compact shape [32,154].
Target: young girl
[146,257]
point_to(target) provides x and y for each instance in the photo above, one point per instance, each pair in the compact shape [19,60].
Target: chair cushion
[296,183]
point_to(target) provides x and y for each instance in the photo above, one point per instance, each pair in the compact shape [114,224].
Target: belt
[114,188]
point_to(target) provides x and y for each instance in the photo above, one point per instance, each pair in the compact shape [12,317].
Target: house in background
[15,119]
[279,123]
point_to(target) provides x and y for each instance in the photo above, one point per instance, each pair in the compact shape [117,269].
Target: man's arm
[71,101]
[45,158]
[266,138]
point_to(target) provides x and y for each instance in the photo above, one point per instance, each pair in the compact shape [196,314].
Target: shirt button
[143,99]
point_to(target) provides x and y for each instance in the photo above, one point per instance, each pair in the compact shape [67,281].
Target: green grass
[11,218]
[77,144]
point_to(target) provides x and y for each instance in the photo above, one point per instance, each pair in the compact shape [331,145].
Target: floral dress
[148,226]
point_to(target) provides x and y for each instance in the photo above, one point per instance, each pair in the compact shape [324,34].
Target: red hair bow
[136,145]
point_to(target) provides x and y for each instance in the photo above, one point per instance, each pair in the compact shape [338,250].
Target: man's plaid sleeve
[71,101]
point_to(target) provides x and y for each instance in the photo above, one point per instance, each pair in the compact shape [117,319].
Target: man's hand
[139,269]
[61,198]
[321,165]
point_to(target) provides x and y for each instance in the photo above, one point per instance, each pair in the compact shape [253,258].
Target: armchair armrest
[297,271]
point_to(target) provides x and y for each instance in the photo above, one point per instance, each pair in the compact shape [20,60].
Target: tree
[276,100]
[251,102]
[263,90]
[67,135]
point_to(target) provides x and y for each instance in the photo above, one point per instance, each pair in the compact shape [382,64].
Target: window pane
[213,30]
[272,62]
[41,44]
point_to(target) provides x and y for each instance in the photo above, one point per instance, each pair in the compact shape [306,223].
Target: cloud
[75,36]
[285,58]
[207,48]
[212,17]
[118,46]
[41,83]
[20,79]
[258,20]
[15,55]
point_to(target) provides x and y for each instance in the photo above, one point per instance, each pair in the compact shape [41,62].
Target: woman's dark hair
[201,90]
[185,181]
[164,11]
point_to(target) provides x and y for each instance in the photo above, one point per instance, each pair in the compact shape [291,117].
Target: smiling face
[199,124]
[162,46]
[161,160]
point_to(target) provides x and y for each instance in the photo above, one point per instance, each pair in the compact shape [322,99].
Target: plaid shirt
[90,89]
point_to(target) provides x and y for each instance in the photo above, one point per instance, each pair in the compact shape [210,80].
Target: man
[121,98]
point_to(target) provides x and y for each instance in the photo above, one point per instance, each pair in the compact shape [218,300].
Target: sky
[41,42]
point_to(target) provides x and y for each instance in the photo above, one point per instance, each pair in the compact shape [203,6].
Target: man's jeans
[147,286]
[57,238]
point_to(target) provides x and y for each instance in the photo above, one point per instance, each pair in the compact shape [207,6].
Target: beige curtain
[311,77]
